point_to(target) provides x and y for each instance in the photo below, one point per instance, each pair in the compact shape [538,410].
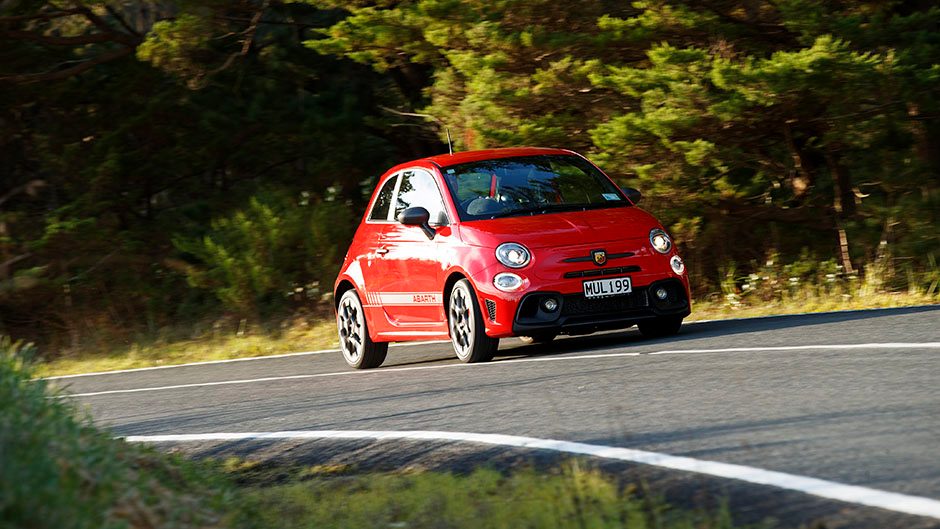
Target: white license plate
[600,288]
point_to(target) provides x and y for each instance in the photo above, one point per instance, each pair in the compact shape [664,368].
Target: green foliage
[749,126]
[58,471]
[573,497]
[756,122]
[278,248]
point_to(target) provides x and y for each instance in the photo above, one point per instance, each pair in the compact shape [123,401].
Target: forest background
[177,164]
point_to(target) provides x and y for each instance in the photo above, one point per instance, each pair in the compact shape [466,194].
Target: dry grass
[298,337]
[321,334]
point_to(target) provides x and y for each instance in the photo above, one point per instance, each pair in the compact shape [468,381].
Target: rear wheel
[471,344]
[660,327]
[544,337]
[359,350]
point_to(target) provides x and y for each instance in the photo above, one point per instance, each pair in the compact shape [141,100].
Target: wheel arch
[452,278]
[341,288]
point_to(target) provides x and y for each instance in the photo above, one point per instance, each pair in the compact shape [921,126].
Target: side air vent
[491,309]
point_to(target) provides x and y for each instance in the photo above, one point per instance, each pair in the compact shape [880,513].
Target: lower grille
[491,309]
[577,304]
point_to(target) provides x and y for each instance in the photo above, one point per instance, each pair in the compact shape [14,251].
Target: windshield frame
[579,162]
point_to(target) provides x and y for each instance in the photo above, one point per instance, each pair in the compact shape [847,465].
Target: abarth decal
[403,298]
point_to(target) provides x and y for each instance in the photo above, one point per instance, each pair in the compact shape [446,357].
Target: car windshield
[529,185]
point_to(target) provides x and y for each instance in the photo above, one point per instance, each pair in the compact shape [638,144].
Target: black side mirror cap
[633,194]
[417,216]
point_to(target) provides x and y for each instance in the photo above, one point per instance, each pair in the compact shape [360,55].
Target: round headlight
[677,265]
[660,240]
[507,282]
[513,255]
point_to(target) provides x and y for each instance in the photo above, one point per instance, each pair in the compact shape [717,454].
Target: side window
[384,200]
[418,189]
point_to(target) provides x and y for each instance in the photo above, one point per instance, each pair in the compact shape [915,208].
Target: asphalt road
[867,415]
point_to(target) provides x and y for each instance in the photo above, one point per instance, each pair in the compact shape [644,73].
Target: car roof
[445,160]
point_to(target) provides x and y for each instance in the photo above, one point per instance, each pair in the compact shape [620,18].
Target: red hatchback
[483,245]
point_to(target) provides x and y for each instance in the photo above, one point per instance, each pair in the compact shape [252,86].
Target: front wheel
[660,327]
[359,350]
[471,344]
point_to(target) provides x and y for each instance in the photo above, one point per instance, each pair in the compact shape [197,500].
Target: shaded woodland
[164,162]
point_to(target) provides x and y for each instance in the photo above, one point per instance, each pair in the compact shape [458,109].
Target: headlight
[660,241]
[513,255]
[677,265]
[508,282]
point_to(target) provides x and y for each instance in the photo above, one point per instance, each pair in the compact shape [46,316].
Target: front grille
[602,271]
[589,258]
[491,309]
[577,304]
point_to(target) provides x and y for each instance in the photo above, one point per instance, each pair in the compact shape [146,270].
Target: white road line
[833,347]
[854,494]
[226,361]
[374,372]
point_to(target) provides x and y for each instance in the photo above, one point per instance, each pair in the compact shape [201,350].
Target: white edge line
[569,358]
[903,503]
[225,361]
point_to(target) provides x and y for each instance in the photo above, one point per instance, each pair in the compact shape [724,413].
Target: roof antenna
[450,143]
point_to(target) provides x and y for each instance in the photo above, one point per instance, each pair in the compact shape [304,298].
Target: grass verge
[57,470]
[322,334]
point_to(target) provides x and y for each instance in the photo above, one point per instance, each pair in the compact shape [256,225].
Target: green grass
[59,471]
[569,497]
[762,298]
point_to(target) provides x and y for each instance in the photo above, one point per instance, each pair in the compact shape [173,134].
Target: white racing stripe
[567,358]
[858,495]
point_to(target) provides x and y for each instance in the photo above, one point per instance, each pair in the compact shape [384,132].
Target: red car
[483,245]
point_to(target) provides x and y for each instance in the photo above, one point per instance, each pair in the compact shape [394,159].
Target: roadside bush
[814,281]
[279,250]
[58,471]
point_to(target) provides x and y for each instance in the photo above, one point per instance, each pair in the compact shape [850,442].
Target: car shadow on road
[701,330]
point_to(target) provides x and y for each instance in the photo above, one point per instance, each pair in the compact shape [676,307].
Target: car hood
[561,229]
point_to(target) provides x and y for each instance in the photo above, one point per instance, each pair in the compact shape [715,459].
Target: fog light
[662,293]
[550,305]
[677,265]
[507,282]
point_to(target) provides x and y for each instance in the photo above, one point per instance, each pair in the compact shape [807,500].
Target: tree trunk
[843,204]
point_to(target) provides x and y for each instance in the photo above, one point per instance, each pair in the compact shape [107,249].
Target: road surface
[851,398]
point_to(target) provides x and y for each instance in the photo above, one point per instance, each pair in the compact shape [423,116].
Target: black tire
[660,327]
[542,337]
[465,321]
[358,349]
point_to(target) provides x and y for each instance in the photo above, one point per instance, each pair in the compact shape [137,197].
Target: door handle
[382,251]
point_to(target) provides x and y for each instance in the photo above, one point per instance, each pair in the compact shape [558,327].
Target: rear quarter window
[384,201]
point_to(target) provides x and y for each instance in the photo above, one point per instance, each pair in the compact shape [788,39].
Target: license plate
[600,288]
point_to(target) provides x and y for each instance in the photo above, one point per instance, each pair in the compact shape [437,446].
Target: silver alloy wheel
[461,322]
[351,324]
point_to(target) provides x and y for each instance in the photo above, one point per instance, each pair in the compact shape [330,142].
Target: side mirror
[633,194]
[417,216]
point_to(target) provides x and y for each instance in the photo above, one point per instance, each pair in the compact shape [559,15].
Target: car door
[412,294]
[371,253]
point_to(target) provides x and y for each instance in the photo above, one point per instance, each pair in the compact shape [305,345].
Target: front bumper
[577,314]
